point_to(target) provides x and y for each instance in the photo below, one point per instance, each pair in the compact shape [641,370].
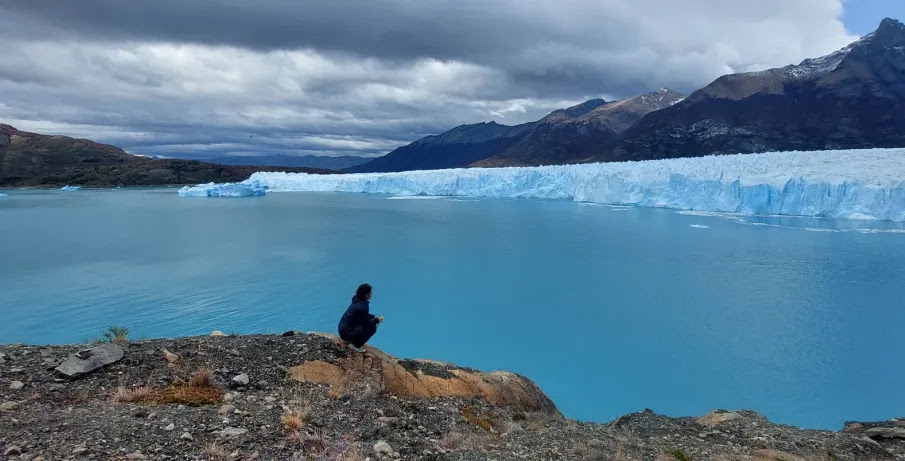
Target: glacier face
[849,184]
[246,188]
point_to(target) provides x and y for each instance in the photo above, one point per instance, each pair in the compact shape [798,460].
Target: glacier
[246,188]
[846,184]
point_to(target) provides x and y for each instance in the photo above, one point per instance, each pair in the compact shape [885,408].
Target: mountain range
[852,98]
[31,159]
[310,161]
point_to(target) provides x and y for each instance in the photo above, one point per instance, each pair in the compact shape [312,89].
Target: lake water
[609,310]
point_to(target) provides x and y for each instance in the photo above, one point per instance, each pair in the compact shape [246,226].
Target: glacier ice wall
[850,184]
[246,188]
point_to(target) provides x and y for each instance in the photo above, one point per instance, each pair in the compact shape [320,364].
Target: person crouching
[357,325]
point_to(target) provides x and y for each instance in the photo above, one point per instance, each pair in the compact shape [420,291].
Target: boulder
[89,360]
[241,380]
[16,385]
[169,356]
[717,417]
[217,333]
[382,448]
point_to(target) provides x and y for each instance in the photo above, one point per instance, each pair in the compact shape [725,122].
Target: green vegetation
[680,455]
[117,334]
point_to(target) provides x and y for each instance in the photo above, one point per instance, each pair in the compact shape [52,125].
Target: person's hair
[363,291]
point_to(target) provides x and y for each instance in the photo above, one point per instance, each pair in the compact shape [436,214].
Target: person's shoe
[356,349]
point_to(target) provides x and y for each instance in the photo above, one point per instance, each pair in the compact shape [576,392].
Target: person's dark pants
[359,335]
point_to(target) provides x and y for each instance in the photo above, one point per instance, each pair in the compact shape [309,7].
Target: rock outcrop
[382,373]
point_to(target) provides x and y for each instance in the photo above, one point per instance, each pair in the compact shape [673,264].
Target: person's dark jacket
[358,314]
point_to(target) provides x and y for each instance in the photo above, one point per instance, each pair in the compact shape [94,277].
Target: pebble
[81,449]
[6,406]
[16,385]
[3,357]
[12,450]
[186,436]
[383,448]
[137,455]
[228,397]
[226,410]
[241,380]
[170,427]
[270,399]
[232,432]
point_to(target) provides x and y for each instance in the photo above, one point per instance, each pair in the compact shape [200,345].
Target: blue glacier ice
[848,184]
[70,188]
[3,195]
[246,188]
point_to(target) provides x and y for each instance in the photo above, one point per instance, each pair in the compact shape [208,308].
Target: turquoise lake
[610,310]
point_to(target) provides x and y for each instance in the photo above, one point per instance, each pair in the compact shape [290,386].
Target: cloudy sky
[361,77]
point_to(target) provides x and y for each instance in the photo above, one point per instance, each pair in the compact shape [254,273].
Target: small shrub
[134,395]
[117,334]
[203,377]
[215,452]
[193,396]
[680,455]
[493,423]
[292,420]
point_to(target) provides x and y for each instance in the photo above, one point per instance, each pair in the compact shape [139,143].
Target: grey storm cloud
[362,77]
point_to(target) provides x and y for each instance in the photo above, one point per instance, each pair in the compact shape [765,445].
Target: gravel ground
[270,417]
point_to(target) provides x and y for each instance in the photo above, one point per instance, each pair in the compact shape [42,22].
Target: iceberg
[4,195]
[846,184]
[70,188]
[243,189]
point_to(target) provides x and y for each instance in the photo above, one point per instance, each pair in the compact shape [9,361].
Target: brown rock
[383,373]
[717,417]
[169,356]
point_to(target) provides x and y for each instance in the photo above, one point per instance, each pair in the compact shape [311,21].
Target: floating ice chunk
[850,184]
[3,195]
[70,188]
[699,226]
[413,197]
[242,189]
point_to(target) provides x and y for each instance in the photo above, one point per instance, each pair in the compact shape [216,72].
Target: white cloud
[346,80]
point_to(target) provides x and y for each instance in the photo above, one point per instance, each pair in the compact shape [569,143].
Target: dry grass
[193,396]
[134,395]
[202,377]
[456,440]
[297,417]
[492,423]
[352,452]
[215,452]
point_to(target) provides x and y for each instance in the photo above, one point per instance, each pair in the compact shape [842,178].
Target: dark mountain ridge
[852,98]
[31,159]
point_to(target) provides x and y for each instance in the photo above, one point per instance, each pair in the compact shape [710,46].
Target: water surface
[608,309]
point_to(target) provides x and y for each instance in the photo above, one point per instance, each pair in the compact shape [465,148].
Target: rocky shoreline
[307,397]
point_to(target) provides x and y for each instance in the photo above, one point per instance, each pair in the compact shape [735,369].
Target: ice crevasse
[850,184]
